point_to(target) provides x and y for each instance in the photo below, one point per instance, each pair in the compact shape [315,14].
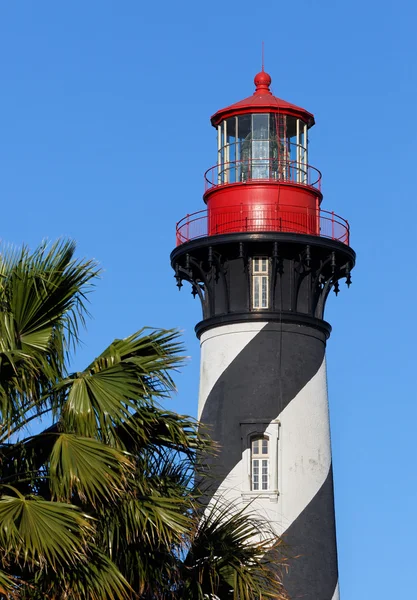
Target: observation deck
[271,217]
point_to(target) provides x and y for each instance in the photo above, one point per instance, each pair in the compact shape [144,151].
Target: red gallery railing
[262,169]
[271,217]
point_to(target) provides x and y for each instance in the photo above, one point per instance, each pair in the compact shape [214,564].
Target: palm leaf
[42,299]
[88,467]
[8,587]
[153,519]
[95,577]
[115,385]
[37,532]
[228,556]
[157,430]
[48,286]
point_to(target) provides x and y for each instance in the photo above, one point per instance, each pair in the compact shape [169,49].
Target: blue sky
[105,136]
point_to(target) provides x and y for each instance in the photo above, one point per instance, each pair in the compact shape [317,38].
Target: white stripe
[305,453]
[336,595]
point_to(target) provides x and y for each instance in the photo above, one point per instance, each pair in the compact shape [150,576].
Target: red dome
[262,81]
[262,100]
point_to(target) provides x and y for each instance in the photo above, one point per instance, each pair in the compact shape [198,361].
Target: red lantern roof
[262,100]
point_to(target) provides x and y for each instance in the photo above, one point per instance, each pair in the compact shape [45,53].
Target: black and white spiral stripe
[264,372]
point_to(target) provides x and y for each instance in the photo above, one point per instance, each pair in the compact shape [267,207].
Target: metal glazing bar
[225,153]
[219,153]
[236,151]
[305,155]
[298,151]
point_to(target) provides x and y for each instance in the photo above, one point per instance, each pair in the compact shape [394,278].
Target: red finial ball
[262,81]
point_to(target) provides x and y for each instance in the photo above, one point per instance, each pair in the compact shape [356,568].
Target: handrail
[258,170]
[281,143]
[269,217]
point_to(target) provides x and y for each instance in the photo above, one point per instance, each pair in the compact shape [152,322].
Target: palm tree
[99,504]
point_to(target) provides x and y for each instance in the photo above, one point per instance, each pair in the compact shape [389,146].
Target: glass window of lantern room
[244,124]
[260,463]
[281,129]
[230,150]
[219,153]
[260,146]
[298,151]
[290,166]
[260,282]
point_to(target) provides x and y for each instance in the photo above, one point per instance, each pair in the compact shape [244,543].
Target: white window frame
[250,430]
[260,464]
[260,282]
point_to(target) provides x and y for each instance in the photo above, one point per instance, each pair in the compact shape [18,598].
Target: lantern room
[262,146]
[262,179]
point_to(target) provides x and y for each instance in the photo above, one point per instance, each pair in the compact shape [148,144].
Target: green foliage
[85,467]
[37,533]
[100,505]
[227,557]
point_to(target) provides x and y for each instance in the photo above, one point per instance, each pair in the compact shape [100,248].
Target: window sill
[272,495]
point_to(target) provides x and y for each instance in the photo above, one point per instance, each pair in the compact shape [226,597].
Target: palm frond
[116,384]
[89,468]
[95,577]
[48,286]
[8,586]
[42,300]
[38,532]
[155,519]
[228,556]
[158,429]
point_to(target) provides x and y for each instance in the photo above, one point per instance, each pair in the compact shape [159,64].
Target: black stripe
[311,539]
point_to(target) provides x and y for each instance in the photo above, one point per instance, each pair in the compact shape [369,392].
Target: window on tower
[260,451]
[260,463]
[260,282]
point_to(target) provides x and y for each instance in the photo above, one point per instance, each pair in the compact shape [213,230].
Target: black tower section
[304,269]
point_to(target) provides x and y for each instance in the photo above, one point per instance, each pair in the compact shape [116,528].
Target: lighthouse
[263,257]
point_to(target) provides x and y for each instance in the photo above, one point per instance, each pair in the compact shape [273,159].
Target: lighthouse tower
[263,257]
